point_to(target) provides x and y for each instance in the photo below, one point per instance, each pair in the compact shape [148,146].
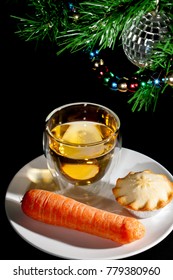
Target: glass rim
[85,104]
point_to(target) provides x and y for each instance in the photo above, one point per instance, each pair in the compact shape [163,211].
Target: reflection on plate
[71,244]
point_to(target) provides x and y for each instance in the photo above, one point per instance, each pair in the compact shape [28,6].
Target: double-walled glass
[80,142]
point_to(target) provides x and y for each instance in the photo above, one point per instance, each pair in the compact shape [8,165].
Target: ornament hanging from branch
[143,28]
[140,35]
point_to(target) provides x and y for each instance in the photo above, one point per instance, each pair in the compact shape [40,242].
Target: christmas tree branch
[144,97]
[45,19]
[99,22]
[84,25]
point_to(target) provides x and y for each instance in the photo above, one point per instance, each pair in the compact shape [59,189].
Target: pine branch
[84,25]
[100,22]
[45,19]
[145,97]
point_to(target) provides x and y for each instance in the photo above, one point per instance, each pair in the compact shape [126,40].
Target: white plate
[71,244]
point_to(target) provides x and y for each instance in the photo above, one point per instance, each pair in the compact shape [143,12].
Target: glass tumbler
[81,142]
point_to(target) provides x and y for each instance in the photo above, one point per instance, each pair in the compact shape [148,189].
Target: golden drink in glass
[80,142]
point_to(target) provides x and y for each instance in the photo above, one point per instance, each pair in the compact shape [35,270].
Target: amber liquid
[75,154]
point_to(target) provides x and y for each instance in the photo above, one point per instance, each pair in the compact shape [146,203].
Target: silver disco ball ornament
[140,35]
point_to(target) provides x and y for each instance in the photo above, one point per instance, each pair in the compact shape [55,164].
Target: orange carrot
[56,209]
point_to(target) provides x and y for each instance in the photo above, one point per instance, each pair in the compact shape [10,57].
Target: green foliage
[144,97]
[99,23]
[82,25]
[45,19]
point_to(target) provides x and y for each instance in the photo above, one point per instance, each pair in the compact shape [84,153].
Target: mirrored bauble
[141,34]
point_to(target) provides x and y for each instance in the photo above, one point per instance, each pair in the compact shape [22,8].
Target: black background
[34,81]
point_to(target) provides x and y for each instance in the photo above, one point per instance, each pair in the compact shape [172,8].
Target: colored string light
[122,84]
